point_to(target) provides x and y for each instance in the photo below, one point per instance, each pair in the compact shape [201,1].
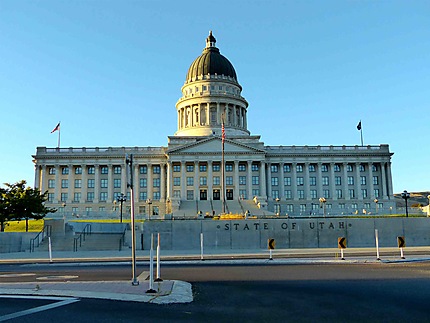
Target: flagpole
[361,134]
[59,131]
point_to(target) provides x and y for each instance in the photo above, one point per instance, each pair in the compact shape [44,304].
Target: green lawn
[19,226]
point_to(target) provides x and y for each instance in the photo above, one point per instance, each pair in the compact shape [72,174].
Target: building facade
[185,177]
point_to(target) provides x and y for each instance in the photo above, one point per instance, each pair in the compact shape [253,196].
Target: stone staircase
[92,242]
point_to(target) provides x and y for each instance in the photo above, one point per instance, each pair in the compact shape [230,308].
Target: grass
[19,226]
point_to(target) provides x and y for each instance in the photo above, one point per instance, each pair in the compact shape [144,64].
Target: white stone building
[186,176]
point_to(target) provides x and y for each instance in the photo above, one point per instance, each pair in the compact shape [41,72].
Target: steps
[93,242]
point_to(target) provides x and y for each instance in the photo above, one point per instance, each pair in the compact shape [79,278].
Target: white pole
[341,254]
[158,259]
[151,267]
[270,254]
[201,246]
[401,253]
[50,249]
[377,244]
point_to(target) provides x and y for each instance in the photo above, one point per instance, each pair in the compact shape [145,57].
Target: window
[91,183]
[255,180]
[326,194]
[156,169]
[229,180]
[117,183]
[242,167]
[313,194]
[65,170]
[300,181]
[376,192]
[78,170]
[287,181]
[51,183]
[177,193]
[324,168]
[363,180]
[254,167]
[142,182]
[275,194]
[287,168]
[349,168]
[312,181]
[351,194]
[102,209]
[176,181]
[362,168]
[336,168]
[117,169]
[91,170]
[255,192]
[228,167]
[156,196]
[64,183]
[216,167]
[350,180]
[176,168]
[374,168]
[63,197]
[290,208]
[103,196]
[216,180]
[88,209]
[190,168]
[367,206]
[302,207]
[220,88]
[50,197]
[78,183]
[242,180]
[375,180]
[325,180]
[203,180]
[311,168]
[190,181]
[76,197]
[242,194]
[354,206]
[143,169]
[342,206]
[301,194]
[274,168]
[288,194]
[338,180]
[155,182]
[51,171]
[364,193]
[190,194]
[203,168]
[104,170]
[103,183]
[274,181]
[299,168]
[339,194]
[143,196]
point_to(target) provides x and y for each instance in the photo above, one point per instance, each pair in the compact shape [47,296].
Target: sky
[112,72]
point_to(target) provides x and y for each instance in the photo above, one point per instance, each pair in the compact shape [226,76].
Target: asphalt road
[263,293]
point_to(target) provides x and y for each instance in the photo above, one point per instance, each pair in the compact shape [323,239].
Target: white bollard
[50,249]
[201,246]
[270,254]
[401,253]
[341,254]
[158,260]
[377,244]
[151,267]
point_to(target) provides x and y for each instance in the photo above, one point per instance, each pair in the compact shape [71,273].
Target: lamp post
[323,201]
[428,206]
[278,206]
[406,195]
[64,210]
[149,202]
[121,199]
[376,205]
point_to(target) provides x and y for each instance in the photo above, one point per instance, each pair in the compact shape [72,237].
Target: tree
[26,203]
[5,208]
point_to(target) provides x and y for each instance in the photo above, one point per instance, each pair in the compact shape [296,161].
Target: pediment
[213,146]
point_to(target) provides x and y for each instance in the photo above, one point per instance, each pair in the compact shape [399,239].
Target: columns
[149,181]
[71,184]
[37,171]
[359,196]
[196,181]
[263,179]
[124,180]
[96,183]
[306,179]
[294,180]
[110,183]
[390,181]
[249,180]
[345,181]
[332,182]
[319,180]
[371,193]
[210,180]
[169,180]
[163,182]
[281,180]
[183,181]
[136,184]
[43,179]
[84,183]
[57,194]
[268,183]
[236,180]
[384,183]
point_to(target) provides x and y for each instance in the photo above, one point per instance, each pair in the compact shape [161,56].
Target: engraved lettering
[331,226]
[256,225]
[246,227]
[284,226]
[266,226]
[312,225]
[341,225]
[236,225]
[321,225]
[227,226]
[293,225]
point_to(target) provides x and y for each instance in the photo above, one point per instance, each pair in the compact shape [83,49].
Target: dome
[211,62]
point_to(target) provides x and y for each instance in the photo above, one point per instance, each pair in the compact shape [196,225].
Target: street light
[149,202]
[376,205]
[121,199]
[406,195]
[323,201]
[278,206]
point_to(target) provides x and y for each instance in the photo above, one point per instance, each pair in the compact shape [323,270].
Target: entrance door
[216,195]
[203,195]
[229,194]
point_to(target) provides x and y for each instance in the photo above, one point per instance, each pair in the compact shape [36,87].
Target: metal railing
[35,242]
[122,239]
[78,240]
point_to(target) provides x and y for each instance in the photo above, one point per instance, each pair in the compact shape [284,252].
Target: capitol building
[187,177]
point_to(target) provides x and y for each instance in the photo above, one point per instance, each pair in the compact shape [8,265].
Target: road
[252,293]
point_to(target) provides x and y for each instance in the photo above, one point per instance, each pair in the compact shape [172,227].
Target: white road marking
[16,275]
[62,301]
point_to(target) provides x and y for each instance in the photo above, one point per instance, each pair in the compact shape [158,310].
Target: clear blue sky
[111,72]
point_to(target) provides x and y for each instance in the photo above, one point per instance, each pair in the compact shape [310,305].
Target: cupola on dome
[210,62]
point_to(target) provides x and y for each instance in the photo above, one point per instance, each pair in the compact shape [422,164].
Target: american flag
[222,132]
